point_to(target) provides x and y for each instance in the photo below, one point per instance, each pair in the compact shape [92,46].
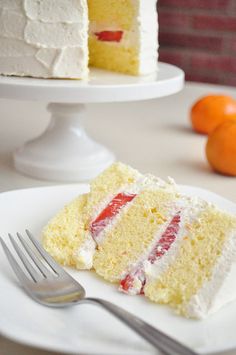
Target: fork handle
[155,337]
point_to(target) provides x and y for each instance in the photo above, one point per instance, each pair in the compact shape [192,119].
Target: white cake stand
[64,152]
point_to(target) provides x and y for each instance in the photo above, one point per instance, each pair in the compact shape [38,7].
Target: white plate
[86,328]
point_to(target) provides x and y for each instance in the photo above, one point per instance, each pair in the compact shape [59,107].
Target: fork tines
[37,269]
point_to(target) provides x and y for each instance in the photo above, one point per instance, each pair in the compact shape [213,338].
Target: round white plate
[86,329]
[101,86]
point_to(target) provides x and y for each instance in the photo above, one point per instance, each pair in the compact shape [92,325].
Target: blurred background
[199,36]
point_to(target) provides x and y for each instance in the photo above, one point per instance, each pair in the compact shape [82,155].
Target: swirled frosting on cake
[44,38]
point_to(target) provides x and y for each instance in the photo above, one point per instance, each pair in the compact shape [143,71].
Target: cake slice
[177,250]
[67,236]
[141,233]
[123,35]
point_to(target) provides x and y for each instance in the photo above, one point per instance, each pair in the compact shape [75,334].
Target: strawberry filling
[127,284]
[111,210]
[109,36]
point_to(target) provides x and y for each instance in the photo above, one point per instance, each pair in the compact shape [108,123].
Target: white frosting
[48,39]
[84,254]
[47,56]
[64,11]
[11,4]
[53,35]
[44,38]
[12,24]
[148,28]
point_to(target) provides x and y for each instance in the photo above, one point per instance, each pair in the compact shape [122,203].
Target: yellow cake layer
[64,234]
[197,256]
[116,177]
[120,13]
[132,234]
[114,57]
[114,15]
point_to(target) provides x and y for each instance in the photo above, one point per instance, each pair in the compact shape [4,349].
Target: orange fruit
[210,111]
[221,148]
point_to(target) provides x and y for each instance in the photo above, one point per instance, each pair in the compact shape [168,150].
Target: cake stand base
[63,152]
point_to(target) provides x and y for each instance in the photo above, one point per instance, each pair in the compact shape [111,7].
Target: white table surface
[153,136]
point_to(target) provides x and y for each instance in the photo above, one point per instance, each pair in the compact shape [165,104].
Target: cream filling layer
[84,254]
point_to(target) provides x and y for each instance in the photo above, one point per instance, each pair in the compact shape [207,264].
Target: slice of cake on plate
[49,38]
[144,235]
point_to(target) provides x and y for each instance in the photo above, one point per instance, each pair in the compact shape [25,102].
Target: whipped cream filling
[44,38]
[84,254]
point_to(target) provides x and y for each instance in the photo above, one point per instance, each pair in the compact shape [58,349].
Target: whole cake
[59,38]
[143,234]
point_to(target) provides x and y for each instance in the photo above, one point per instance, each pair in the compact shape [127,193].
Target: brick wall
[199,36]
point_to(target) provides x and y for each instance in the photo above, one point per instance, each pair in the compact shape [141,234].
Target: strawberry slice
[112,209]
[109,36]
[167,238]
[127,284]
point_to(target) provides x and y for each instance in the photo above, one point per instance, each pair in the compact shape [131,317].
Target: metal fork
[52,286]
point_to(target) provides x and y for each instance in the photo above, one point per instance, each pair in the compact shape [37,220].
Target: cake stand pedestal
[64,152]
